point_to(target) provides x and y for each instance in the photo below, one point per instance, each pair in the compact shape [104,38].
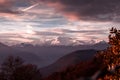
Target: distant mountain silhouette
[29,57]
[48,54]
[100,45]
[68,60]
[51,53]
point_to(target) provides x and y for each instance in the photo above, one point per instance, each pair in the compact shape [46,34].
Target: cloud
[20,39]
[62,36]
[95,10]
[13,38]
[59,29]
[49,33]
[11,9]
[65,40]
[100,10]
[53,36]
[87,32]
[6,6]
[68,32]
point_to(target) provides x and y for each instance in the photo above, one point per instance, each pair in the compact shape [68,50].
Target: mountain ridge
[6,51]
[68,60]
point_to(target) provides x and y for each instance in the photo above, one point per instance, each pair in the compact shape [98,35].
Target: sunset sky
[61,22]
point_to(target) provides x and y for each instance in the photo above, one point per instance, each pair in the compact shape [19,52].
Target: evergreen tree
[111,56]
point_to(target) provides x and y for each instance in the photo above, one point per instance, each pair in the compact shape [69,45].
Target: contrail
[31,7]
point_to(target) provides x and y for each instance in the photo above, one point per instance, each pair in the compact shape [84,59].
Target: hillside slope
[68,60]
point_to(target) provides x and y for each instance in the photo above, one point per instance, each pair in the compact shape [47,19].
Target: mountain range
[43,55]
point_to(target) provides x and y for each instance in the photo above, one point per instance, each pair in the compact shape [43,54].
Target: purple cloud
[93,10]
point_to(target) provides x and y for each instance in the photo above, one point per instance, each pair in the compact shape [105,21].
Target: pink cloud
[103,10]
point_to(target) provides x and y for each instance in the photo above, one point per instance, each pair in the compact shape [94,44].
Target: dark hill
[68,60]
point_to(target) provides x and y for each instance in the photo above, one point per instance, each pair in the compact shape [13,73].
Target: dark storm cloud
[6,6]
[101,10]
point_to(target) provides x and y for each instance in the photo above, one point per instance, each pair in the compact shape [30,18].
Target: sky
[57,22]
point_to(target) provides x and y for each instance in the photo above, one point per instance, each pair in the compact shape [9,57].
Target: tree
[111,56]
[14,69]
[27,72]
[114,40]
[9,66]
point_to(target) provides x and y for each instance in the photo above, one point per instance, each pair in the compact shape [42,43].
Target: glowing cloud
[29,30]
